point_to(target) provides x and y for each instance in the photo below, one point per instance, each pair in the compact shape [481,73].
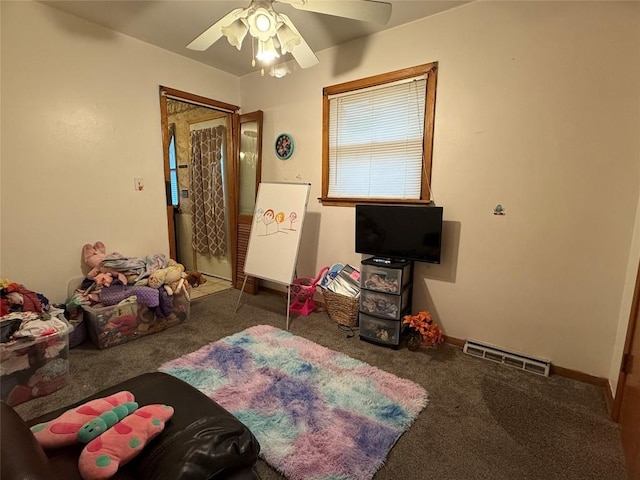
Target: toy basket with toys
[342,295]
[342,309]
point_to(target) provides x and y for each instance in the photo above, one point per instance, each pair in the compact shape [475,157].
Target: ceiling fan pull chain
[253,51]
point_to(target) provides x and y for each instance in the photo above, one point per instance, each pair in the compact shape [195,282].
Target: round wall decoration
[284,146]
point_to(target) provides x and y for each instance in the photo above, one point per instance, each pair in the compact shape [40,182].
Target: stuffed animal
[169,276]
[97,426]
[93,256]
[102,456]
[63,430]
[195,278]
[103,279]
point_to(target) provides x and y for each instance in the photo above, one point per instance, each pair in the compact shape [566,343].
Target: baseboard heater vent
[512,359]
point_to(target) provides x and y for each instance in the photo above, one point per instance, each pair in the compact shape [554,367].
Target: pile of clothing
[25,314]
[33,344]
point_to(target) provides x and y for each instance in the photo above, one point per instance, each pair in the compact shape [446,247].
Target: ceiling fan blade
[363,10]
[304,55]
[212,34]
[302,51]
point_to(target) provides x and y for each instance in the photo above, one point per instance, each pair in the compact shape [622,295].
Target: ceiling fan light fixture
[279,71]
[287,38]
[262,23]
[267,52]
[235,33]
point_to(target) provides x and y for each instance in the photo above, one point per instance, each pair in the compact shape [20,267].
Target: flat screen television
[410,232]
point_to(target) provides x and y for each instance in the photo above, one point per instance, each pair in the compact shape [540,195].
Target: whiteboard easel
[274,241]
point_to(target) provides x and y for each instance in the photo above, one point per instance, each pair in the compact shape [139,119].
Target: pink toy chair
[302,292]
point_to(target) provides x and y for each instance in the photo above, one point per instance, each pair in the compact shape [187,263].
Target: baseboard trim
[578,375]
[457,342]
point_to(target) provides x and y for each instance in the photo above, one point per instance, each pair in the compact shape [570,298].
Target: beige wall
[537,109]
[81,119]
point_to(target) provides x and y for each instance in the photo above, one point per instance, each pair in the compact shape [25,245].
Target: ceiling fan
[274,34]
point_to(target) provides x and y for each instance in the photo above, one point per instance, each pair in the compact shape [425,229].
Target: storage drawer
[385,278]
[379,330]
[384,305]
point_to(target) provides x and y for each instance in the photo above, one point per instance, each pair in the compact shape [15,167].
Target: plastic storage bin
[33,368]
[378,330]
[116,324]
[386,278]
[384,305]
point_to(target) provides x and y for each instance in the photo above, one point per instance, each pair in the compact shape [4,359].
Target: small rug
[317,413]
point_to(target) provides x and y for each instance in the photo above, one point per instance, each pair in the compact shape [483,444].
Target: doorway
[626,408]
[200,175]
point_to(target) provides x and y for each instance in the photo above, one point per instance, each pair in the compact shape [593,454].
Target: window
[378,138]
[173,171]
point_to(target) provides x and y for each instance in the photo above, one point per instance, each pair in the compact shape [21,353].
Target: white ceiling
[172,24]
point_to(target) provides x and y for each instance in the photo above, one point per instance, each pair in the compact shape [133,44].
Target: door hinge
[626,363]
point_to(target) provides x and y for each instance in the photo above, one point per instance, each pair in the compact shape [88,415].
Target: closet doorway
[200,178]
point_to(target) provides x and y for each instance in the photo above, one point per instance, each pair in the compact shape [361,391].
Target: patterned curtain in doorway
[209,232]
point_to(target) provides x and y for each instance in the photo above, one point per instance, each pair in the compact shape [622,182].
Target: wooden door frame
[232,136]
[628,343]
[251,286]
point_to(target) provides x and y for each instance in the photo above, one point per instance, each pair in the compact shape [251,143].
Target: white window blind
[376,141]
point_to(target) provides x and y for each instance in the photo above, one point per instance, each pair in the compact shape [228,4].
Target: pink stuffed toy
[93,256]
[63,431]
[102,456]
[103,279]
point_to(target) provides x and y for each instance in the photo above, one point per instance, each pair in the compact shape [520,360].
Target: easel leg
[288,303]
[240,296]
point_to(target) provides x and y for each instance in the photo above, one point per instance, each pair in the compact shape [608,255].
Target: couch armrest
[21,454]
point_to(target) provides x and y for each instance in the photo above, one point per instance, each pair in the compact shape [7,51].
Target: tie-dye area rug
[317,413]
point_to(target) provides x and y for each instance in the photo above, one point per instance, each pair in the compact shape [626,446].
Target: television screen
[410,232]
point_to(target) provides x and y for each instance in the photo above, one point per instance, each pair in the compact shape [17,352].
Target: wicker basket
[342,309]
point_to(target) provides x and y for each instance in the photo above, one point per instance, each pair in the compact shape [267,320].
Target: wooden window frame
[429,69]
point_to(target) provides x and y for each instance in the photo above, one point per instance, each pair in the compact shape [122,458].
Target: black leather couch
[201,441]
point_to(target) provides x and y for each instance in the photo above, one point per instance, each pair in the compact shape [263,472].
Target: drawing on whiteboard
[279,220]
[267,219]
[292,218]
[271,221]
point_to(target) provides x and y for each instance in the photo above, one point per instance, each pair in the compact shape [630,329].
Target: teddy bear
[93,256]
[169,277]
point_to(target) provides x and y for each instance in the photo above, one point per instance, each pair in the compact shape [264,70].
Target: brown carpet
[483,420]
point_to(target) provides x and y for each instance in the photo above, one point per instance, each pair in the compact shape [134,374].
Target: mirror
[250,161]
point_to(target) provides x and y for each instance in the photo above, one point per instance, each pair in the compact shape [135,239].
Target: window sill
[351,202]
